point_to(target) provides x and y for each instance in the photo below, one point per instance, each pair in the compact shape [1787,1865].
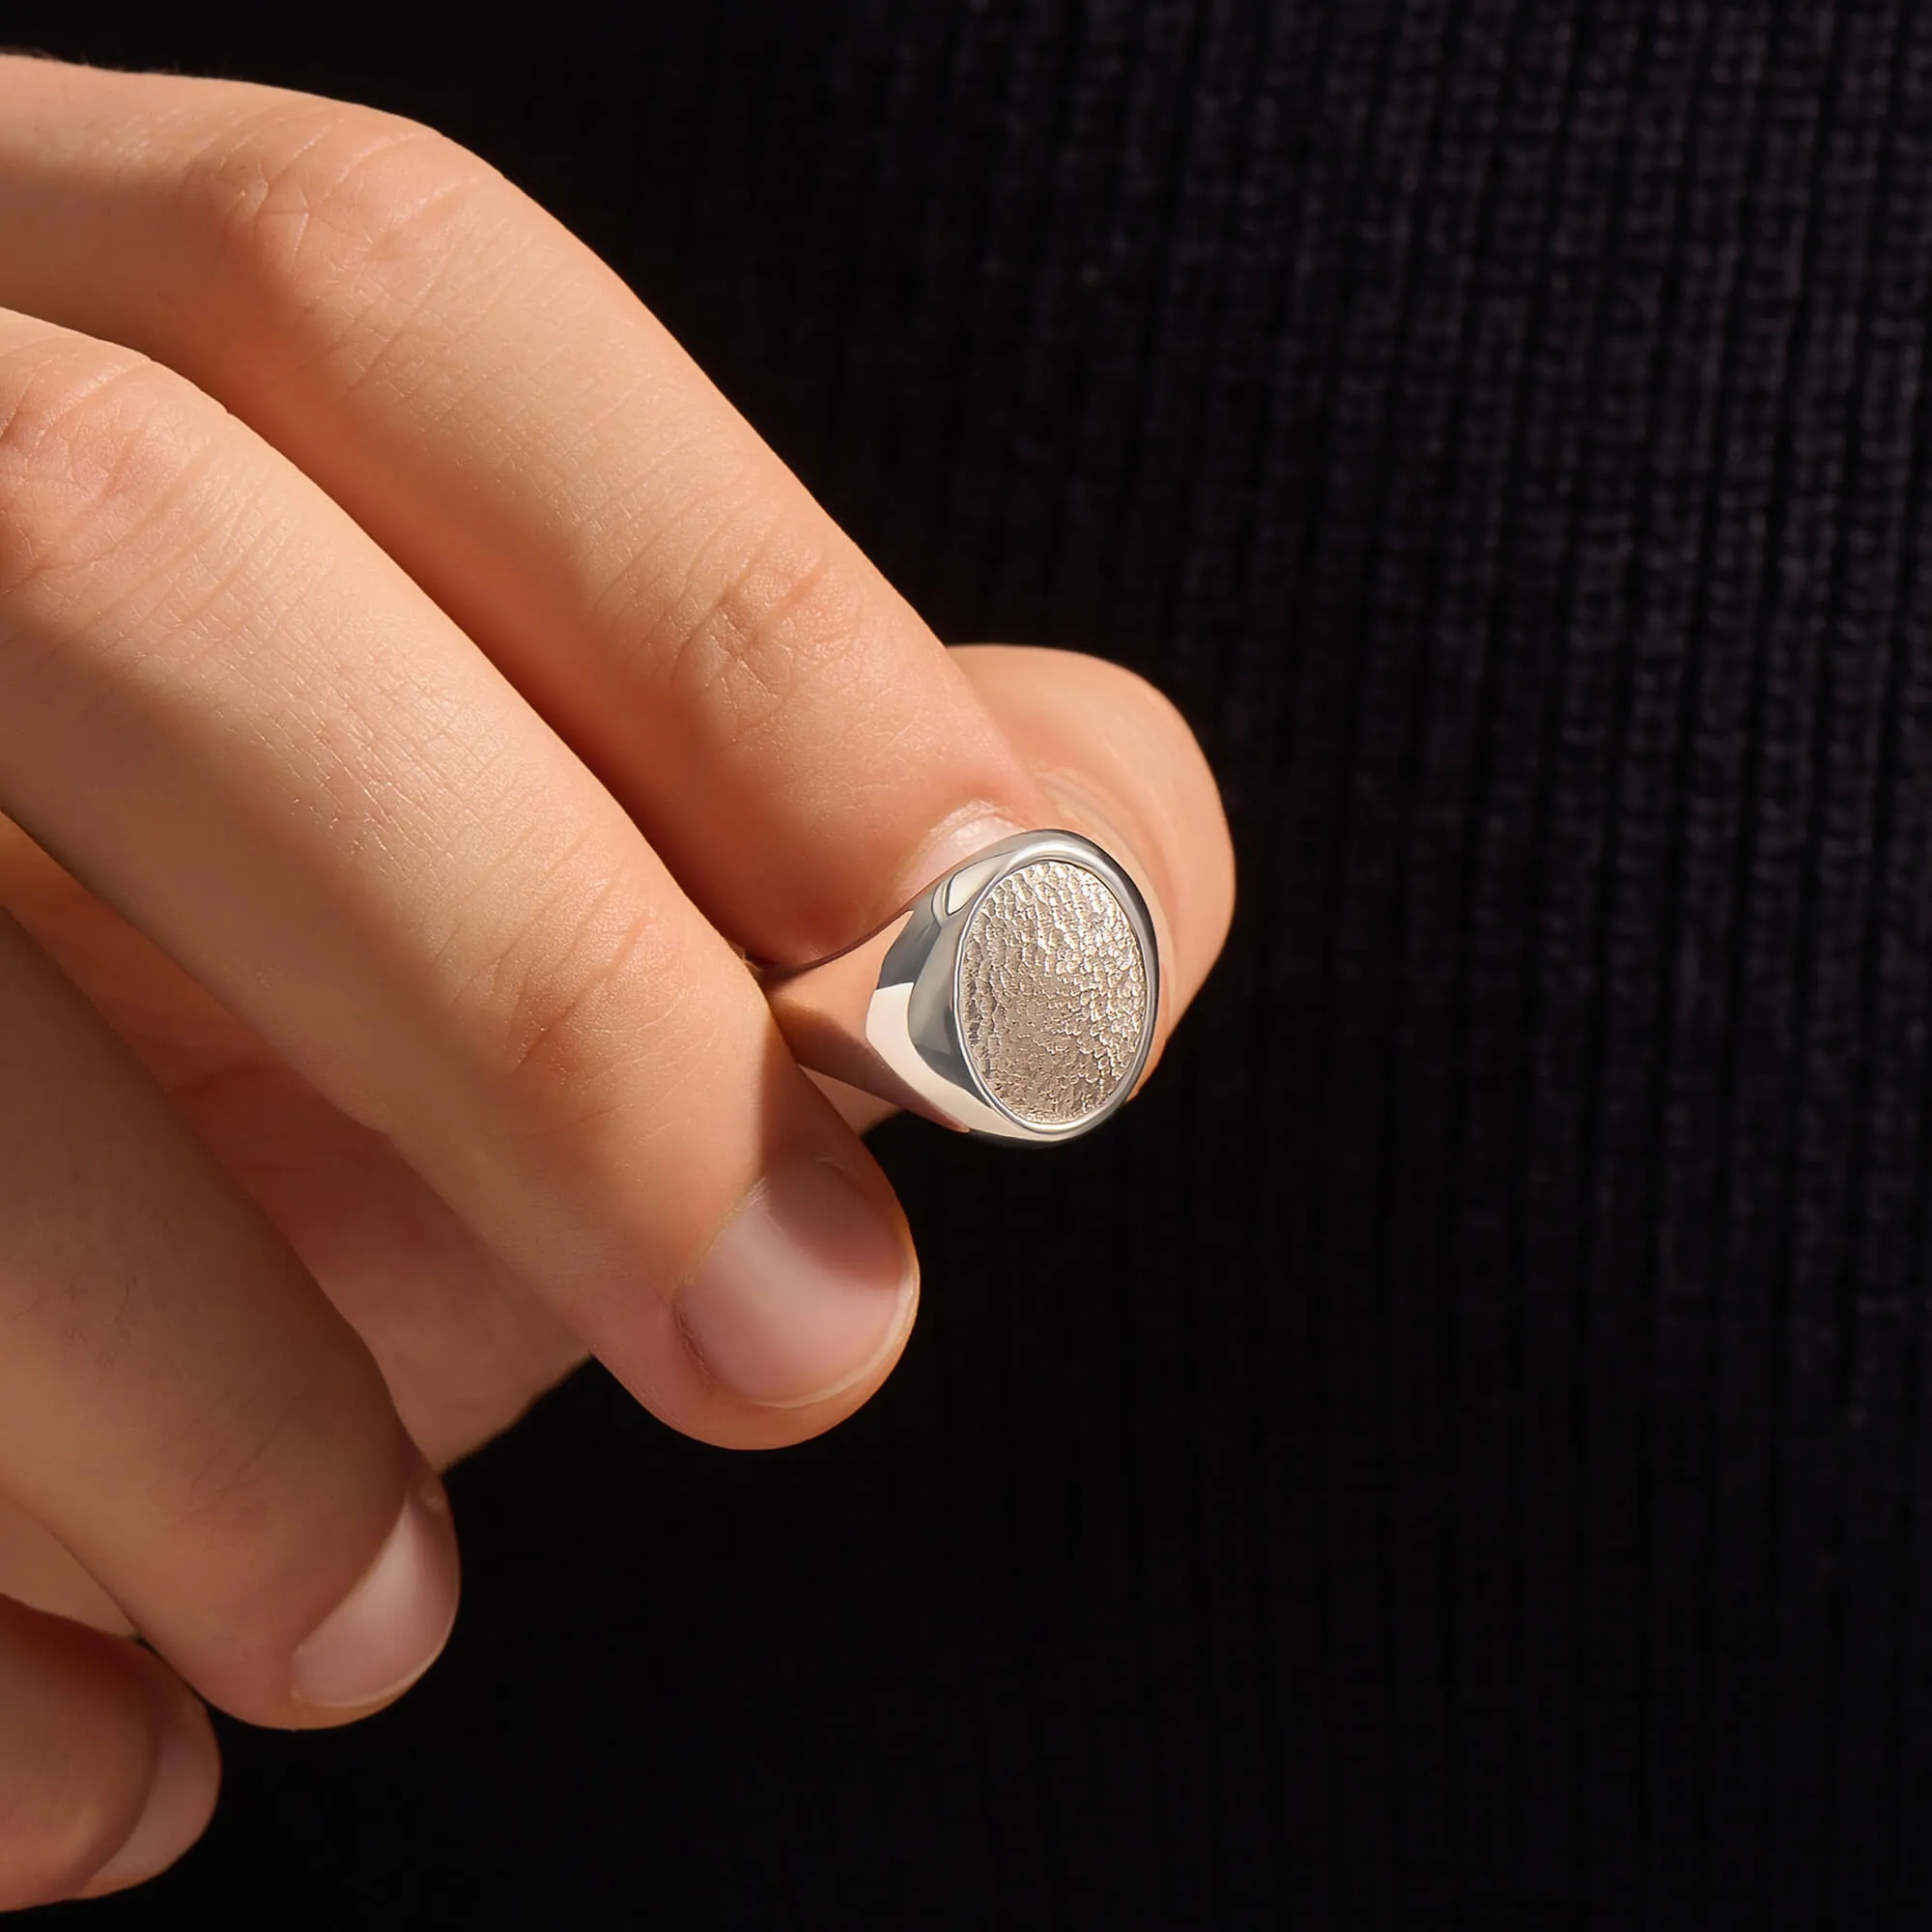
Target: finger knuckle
[95,444]
[574,995]
[332,214]
[763,614]
[250,1485]
[236,1467]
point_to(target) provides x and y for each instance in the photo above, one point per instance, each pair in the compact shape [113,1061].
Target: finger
[39,1569]
[108,1768]
[464,1345]
[231,716]
[492,403]
[179,1404]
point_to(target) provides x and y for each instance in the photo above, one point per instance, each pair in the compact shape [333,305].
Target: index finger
[493,404]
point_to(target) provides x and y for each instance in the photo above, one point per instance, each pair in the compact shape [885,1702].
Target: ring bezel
[912,1018]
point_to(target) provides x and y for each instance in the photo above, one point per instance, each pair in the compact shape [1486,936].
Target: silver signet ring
[1014,996]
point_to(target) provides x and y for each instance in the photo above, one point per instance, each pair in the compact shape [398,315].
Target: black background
[1453,1454]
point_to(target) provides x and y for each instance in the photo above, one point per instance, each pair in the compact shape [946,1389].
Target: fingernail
[392,1626]
[180,1800]
[806,1289]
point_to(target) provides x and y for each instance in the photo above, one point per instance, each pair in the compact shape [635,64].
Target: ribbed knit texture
[1456,1454]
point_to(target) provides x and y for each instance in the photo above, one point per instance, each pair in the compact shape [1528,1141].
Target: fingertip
[806,1290]
[392,1624]
[182,1796]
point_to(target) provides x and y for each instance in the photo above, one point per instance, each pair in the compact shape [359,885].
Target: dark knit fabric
[1457,1453]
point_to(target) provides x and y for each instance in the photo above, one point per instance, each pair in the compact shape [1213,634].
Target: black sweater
[1456,1454]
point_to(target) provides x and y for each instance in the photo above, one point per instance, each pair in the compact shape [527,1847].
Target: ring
[1013,998]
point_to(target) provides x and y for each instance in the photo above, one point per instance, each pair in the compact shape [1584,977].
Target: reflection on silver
[1015,997]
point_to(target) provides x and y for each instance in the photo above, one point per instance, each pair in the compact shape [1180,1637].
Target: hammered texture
[1053,993]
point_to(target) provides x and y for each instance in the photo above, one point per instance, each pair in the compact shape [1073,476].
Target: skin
[417,685]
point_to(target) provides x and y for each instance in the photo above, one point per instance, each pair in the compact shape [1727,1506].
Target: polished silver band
[1015,997]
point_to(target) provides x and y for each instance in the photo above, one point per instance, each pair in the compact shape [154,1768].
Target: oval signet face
[1053,993]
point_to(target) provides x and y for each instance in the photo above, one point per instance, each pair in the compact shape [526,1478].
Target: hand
[414,679]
